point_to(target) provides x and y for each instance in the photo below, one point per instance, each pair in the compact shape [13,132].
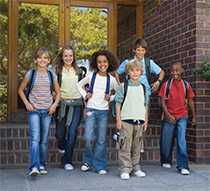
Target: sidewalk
[157,179]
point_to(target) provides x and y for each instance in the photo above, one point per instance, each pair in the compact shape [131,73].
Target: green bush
[206,70]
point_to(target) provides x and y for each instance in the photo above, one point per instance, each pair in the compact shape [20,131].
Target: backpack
[148,70]
[168,87]
[125,87]
[32,78]
[92,82]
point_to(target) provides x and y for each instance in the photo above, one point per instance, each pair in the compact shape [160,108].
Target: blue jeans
[168,132]
[66,136]
[39,123]
[95,138]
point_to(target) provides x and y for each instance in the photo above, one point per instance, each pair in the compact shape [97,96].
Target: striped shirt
[40,96]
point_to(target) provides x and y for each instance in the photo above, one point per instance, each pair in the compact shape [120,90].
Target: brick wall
[175,33]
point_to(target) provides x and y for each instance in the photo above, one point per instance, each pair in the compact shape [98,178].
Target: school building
[176,30]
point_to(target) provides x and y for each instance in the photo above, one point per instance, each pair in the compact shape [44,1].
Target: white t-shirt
[97,101]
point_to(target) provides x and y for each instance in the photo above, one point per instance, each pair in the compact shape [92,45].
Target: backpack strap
[50,75]
[92,82]
[125,86]
[186,85]
[59,78]
[31,83]
[145,96]
[107,85]
[168,87]
[148,69]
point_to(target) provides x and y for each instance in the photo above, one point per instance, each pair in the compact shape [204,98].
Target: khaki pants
[130,142]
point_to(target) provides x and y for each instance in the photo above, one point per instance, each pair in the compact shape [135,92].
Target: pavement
[157,179]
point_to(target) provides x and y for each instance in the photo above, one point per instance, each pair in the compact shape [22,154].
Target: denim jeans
[95,138]
[168,132]
[39,123]
[66,136]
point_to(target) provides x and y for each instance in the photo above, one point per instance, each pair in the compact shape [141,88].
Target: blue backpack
[32,78]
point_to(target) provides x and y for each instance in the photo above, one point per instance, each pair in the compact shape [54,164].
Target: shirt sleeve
[191,94]
[122,66]
[155,69]
[81,84]
[162,90]
[119,94]
[28,74]
[114,86]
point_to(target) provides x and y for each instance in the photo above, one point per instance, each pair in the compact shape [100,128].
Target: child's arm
[53,107]
[145,125]
[168,116]
[21,93]
[118,118]
[192,107]
[81,87]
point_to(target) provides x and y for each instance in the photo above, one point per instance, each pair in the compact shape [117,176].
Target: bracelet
[160,81]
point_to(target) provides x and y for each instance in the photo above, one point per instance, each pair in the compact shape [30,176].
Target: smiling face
[68,57]
[42,60]
[102,64]
[176,71]
[140,52]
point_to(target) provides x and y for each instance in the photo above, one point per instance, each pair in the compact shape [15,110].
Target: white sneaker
[140,173]
[42,170]
[68,167]
[124,176]
[102,172]
[85,167]
[184,171]
[166,165]
[34,172]
[61,151]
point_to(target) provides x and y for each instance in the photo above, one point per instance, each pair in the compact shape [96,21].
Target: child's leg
[182,156]
[45,125]
[135,148]
[34,138]
[166,142]
[89,136]
[100,161]
[125,141]
[72,135]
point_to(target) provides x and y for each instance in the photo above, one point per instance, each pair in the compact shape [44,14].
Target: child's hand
[155,86]
[118,123]
[145,125]
[171,118]
[29,106]
[107,97]
[193,122]
[88,96]
[52,109]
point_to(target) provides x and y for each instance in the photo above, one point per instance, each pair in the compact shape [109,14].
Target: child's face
[102,64]
[42,61]
[140,52]
[134,73]
[68,57]
[176,72]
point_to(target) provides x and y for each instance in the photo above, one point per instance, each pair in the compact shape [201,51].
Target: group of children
[67,93]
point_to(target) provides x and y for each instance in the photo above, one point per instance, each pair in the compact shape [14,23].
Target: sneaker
[184,171]
[42,170]
[102,172]
[34,172]
[166,165]
[124,176]
[61,151]
[140,173]
[68,167]
[85,167]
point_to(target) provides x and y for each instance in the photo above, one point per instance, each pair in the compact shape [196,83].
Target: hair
[42,51]
[133,64]
[177,64]
[140,42]
[112,60]
[59,63]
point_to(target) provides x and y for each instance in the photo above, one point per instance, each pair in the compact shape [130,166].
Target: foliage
[206,70]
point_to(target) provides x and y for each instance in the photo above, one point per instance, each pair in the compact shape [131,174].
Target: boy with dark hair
[176,94]
[149,67]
